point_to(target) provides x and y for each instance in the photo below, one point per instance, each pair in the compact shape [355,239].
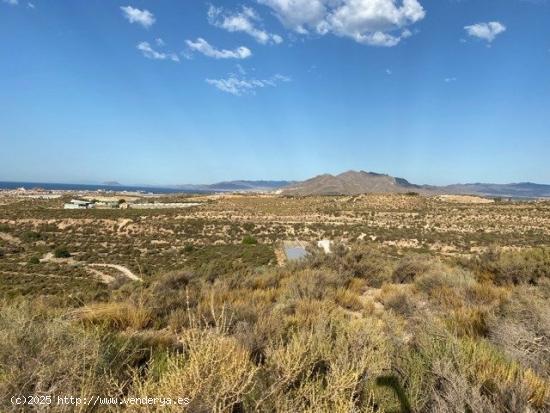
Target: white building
[78,204]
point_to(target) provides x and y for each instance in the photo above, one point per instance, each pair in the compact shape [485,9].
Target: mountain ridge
[238,186]
[361,182]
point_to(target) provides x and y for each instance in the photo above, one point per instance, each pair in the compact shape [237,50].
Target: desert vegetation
[374,326]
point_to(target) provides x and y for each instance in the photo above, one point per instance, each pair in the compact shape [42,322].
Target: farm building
[78,204]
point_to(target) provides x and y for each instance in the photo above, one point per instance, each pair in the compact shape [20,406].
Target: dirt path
[120,268]
[105,278]
[280,255]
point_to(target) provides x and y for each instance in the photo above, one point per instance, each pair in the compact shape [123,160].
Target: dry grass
[115,315]
[312,337]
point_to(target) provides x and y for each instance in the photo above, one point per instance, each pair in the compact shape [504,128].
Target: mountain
[352,183]
[238,186]
[111,183]
[519,190]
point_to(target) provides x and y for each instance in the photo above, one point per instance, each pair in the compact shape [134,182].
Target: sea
[91,187]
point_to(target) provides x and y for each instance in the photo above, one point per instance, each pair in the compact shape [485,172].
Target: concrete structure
[162,205]
[78,204]
[326,245]
[107,204]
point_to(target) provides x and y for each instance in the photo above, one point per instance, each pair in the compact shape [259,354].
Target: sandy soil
[9,238]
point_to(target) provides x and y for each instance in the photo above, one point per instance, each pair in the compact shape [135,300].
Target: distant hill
[111,183]
[238,186]
[519,190]
[354,183]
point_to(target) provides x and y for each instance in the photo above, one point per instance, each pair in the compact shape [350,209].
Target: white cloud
[30,5]
[159,42]
[389,72]
[485,31]
[370,22]
[12,2]
[143,17]
[241,86]
[202,46]
[298,15]
[450,79]
[151,53]
[244,21]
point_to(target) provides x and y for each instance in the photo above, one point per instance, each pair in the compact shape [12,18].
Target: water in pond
[295,253]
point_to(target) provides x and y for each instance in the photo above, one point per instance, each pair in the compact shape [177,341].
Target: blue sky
[169,92]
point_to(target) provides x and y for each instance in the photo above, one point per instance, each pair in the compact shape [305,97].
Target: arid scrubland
[424,305]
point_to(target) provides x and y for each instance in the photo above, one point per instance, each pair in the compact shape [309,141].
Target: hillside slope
[352,183]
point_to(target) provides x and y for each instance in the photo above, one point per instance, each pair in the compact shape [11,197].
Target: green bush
[61,252]
[528,266]
[30,236]
[34,260]
[249,240]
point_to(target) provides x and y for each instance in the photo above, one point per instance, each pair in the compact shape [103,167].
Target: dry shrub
[263,280]
[470,322]
[172,280]
[161,340]
[446,286]
[178,319]
[310,284]
[325,368]
[486,294]
[530,266]
[285,340]
[169,292]
[360,261]
[522,328]
[115,315]
[40,356]
[411,267]
[452,393]
[214,372]
[441,372]
[268,328]
[44,354]
[247,305]
[357,285]
[499,376]
[308,312]
[347,299]
[397,299]
[441,275]
[520,341]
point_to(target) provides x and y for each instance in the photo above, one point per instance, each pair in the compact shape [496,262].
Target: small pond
[295,253]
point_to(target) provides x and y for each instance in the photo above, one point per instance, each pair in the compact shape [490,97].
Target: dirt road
[120,268]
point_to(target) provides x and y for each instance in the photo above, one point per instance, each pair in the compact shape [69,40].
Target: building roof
[79,202]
